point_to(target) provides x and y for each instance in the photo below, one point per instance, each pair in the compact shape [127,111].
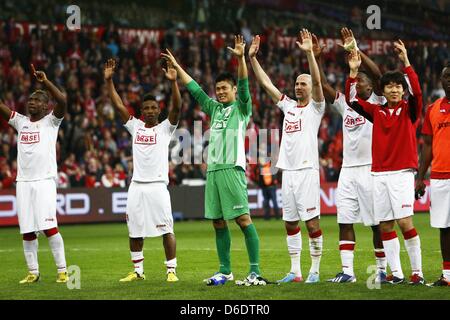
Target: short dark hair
[226,76]
[395,77]
[365,76]
[148,97]
[42,93]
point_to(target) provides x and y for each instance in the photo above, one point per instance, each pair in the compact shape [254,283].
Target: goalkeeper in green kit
[226,184]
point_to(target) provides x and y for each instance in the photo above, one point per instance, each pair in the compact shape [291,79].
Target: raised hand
[354,60]
[170,58]
[170,72]
[317,48]
[348,40]
[39,75]
[400,49]
[254,47]
[239,46]
[305,40]
[109,69]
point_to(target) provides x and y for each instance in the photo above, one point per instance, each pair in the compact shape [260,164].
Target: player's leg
[445,250]
[384,213]
[46,215]
[136,226]
[380,256]
[25,212]
[251,241]
[213,212]
[308,203]
[293,232]
[170,248]
[347,214]
[412,244]
[315,249]
[56,244]
[364,182]
[401,190]
[440,218]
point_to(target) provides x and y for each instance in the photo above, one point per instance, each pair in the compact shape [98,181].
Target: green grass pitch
[101,252]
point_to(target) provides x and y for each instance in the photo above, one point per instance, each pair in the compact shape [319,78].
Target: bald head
[303,87]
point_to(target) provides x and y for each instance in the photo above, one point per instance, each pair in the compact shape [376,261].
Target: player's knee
[29,236]
[313,225]
[219,224]
[345,227]
[244,220]
[51,232]
[405,224]
[291,226]
[387,226]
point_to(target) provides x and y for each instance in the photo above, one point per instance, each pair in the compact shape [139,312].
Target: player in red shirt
[436,151]
[394,159]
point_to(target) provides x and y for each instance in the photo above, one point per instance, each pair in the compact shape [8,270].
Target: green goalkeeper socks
[252,243]
[223,244]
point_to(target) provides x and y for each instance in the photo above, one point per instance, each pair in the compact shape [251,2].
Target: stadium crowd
[94,149]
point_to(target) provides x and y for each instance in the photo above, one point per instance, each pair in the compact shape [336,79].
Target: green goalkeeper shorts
[226,194]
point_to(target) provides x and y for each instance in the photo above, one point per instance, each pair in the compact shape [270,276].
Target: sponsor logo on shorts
[240,206]
[310,209]
[29,137]
[294,126]
[161,226]
[406,206]
[50,219]
[292,114]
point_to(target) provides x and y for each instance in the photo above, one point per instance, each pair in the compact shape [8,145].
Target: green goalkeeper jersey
[226,147]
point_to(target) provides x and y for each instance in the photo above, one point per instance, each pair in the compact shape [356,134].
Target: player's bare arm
[238,51]
[61,101]
[5,112]
[108,74]
[305,44]
[371,68]
[185,78]
[328,91]
[425,161]
[261,76]
[171,75]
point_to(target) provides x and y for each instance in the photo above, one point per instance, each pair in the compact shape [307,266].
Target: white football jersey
[36,146]
[150,150]
[357,132]
[299,146]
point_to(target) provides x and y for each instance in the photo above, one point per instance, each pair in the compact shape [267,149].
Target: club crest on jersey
[29,137]
[294,126]
[145,139]
[398,111]
[351,122]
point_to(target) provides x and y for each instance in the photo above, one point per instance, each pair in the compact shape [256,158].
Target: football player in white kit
[37,174]
[299,157]
[149,212]
[354,197]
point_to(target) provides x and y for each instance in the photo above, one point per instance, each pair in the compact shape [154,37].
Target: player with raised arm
[436,151]
[37,174]
[226,185]
[299,157]
[354,197]
[149,212]
[394,159]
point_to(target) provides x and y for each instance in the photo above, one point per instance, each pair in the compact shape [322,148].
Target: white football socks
[30,249]
[137,257]
[294,244]
[57,246]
